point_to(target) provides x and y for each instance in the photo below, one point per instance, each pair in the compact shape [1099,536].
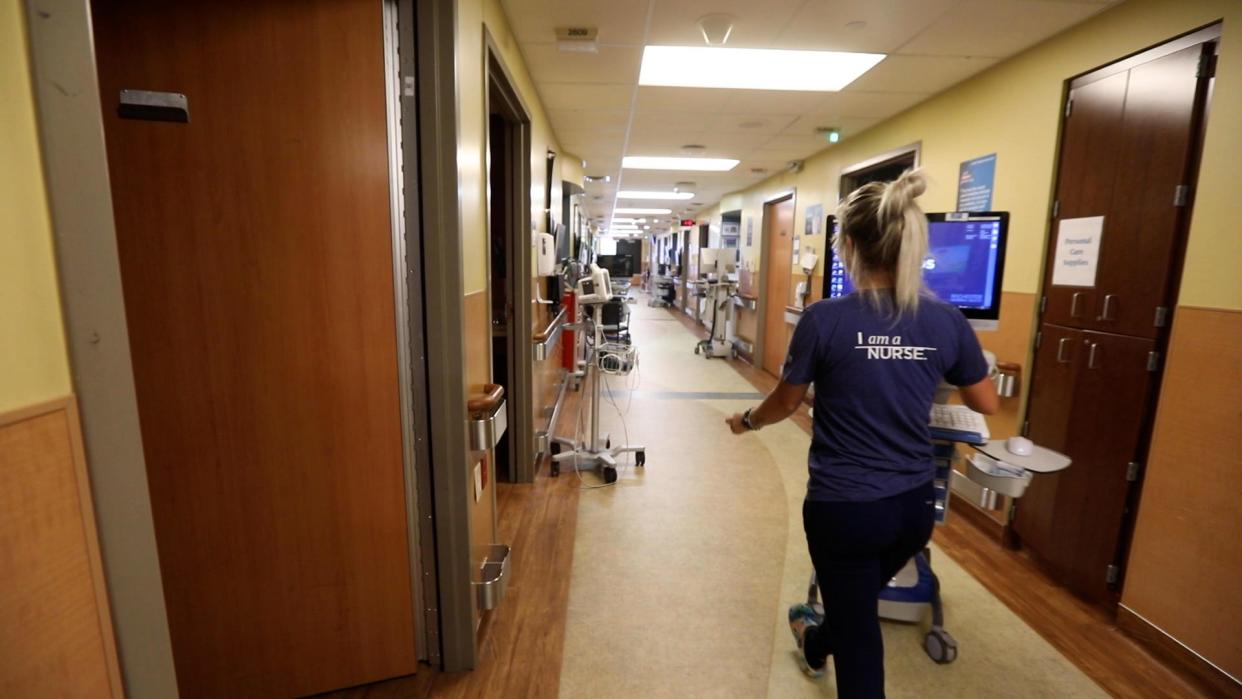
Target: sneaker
[801,618]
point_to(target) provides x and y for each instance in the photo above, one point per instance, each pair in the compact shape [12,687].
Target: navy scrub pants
[856,548]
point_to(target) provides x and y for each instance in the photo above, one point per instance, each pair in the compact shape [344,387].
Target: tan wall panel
[478,328]
[1186,555]
[55,627]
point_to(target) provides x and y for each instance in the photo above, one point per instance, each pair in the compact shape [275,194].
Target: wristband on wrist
[746,420]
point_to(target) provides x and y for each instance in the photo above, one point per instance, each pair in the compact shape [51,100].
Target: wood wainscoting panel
[477,324]
[1186,555]
[55,625]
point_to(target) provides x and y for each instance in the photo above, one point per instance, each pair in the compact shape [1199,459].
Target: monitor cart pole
[598,452]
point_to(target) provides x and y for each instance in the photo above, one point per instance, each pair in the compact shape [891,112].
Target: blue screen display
[960,267]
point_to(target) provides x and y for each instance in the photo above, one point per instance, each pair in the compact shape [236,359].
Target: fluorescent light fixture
[632,194]
[644,162]
[753,69]
[642,211]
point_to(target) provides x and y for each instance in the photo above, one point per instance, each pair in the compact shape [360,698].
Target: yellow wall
[473,16]
[33,363]
[1014,110]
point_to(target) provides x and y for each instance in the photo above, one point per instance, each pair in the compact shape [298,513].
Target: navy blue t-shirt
[875,378]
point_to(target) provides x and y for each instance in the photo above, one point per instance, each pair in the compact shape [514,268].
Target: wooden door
[1073,519]
[255,251]
[1056,365]
[778,238]
[1090,151]
[1141,236]
[1129,144]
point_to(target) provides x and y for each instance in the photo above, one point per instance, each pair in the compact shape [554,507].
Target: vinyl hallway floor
[683,572]
[675,581]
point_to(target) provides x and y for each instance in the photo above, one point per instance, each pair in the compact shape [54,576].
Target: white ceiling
[600,113]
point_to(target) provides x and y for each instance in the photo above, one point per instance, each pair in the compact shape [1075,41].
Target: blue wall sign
[974,184]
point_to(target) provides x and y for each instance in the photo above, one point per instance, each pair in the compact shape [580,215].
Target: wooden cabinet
[1128,154]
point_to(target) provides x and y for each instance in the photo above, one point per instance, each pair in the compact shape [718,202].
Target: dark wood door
[1090,151]
[778,238]
[255,252]
[1143,222]
[1129,141]
[1092,404]
[1056,365]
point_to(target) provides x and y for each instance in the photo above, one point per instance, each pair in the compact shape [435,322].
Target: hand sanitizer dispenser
[544,254]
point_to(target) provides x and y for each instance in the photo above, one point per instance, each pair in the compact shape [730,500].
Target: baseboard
[981,520]
[1213,680]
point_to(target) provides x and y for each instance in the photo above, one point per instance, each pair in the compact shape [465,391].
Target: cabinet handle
[1107,312]
[1091,356]
[1061,356]
[1074,304]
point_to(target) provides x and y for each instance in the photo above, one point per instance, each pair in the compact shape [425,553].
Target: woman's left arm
[780,404]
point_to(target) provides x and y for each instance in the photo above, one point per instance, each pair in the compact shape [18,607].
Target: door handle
[1074,304]
[1106,313]
[1091,356]
[1062,357]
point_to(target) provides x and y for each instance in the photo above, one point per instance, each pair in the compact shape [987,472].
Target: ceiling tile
[685,122]
[611,65]
[749,123]
[537,20]
[681,99]
[888,24]
[930,74]
[758,24]
[590,120]
[855,103]
[566,96]
[998,27]
[772,102]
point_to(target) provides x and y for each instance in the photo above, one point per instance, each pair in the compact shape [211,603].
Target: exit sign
[687,223]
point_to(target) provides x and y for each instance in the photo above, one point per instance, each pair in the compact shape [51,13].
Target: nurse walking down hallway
[876,357]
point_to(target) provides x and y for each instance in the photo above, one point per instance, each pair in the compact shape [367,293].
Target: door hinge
[1153,361]
[1181,195]
[1056,208]
[1162,316]
[1069,107]
[1039,339]
[1207,66]
[1112,573]
[1132,471]
[1043,304]
[1026,428]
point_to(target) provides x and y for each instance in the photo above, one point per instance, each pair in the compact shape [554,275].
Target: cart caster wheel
[607,443]
[697,349]
[555,448]
[556,469]
[940,646]
[640,458]
[610,474]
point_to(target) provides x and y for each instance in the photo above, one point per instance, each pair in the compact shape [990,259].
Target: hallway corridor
[683,572]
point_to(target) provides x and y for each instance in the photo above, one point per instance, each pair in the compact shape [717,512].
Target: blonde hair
[887,233]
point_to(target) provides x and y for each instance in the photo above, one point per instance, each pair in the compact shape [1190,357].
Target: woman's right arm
[981,397]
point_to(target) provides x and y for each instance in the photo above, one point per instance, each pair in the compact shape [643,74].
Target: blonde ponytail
[903,222]
[887,234]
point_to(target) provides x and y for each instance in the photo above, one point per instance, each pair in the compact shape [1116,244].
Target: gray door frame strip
[444,415]
[80,199]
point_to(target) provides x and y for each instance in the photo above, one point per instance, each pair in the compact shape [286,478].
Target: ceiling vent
[577,39]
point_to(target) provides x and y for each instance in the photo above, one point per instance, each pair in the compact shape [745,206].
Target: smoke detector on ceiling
[716,28]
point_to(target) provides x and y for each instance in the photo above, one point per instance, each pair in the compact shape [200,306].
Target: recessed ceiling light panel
[637,194]
[753,69]
[642,211]
[643,162]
